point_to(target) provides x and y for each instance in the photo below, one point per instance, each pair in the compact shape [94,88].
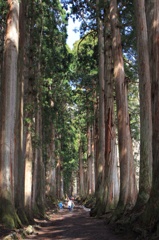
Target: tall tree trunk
[128,191]
[151,214]
[28,116]
[36,163]
[8,114]
[59,172]
[28,172]
[93,158]
[89,159]
[50,166]
[111,193]
[145,179]
[101,155]
[81,171]
[41,171]
[19,158]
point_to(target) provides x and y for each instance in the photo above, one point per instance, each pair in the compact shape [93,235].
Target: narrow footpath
[75,225]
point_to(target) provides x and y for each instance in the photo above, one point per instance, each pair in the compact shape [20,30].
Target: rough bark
[8,115]
[93,159]
[151,215]
[145,178]
[28,123]
[50,167]
[81,172]
[36,161]
[19,158]
[101,146]
[28,173]
[111,193]
[128,191]
[89,159]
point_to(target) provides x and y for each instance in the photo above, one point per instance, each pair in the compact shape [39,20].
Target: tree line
[70,118]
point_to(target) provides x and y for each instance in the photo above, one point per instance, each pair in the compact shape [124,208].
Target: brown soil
[75,225]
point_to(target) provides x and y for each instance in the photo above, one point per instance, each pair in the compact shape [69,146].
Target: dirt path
[75,225]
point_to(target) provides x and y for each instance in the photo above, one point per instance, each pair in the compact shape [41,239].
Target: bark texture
[128,190]
[101,153]
[8,114]
[145,179]
[111,193]
[151,215]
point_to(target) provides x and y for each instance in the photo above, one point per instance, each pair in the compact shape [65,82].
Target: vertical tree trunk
[145,178]
[93,158]
[89,159]
[151,215]
[8,112]
[50,167]
[36,162]
[19,158]
[128,192]
[101,153]
[28,114]
[81,172]
[28,172]
[111,193]
[59,172]
[41,171]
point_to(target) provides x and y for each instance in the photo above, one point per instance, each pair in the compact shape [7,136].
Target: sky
[72,35]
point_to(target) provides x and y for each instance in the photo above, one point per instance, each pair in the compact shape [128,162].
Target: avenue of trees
[79,121]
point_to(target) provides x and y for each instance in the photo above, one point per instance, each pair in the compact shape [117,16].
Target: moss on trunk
[8,215]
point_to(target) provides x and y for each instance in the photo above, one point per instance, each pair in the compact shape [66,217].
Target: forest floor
[74,225]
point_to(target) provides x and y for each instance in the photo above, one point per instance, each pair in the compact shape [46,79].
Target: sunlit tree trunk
[81,171]
[8,112]
[145,178]
[28,172]
[101,153]
[28,120]
[50,167]
[111,185]
[128,191]
[19,158]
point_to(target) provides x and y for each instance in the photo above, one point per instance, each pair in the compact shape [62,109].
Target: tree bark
[101,154]
[145,178]
[111,193]
[151,214]
[81,172]
[51,166]
[8,113]
[19,158]
[128,191]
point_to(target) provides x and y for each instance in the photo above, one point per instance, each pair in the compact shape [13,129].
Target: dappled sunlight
[118,69]
[75,225]
[155,24]
[124,153]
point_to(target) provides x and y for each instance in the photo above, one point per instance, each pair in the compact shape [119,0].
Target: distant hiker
[60,205]
[70,205]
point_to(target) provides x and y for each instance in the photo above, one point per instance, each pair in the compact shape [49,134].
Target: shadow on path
[75,225]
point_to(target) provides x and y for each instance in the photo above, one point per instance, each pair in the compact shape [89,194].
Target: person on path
[70,204]
[60,205]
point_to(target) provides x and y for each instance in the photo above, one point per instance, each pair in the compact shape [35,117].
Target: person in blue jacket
[60,205]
